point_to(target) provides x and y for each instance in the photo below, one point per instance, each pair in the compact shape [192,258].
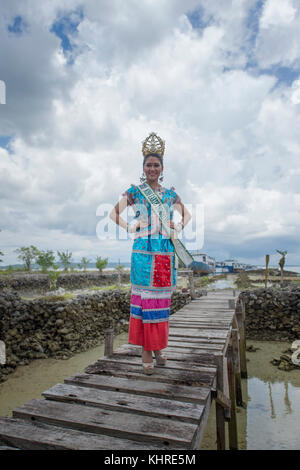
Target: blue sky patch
[5,141]
[65,27]
[18,26]
[284,75]
[196,19]
[252,21]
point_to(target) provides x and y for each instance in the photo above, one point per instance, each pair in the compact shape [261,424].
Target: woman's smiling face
[152,169]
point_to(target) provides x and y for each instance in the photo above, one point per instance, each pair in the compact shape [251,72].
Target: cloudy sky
[87,81]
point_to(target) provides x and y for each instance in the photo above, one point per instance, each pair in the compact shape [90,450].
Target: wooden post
[240,316]
[231,303]
[236,365]
[220,415]
[232,425]
[109,342]
[267,271]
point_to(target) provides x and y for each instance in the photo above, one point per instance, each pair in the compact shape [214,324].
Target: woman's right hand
[140,224]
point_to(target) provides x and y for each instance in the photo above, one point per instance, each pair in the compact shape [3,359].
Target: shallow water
[269,421]
[227,283]
[30,381]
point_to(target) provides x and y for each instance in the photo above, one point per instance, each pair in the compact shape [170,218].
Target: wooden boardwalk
[112,405]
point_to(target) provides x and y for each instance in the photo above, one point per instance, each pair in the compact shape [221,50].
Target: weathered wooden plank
[197,332]
[196,339]
[175,357]
[147,406]
[191,342]
[202,323]
[191,325]
[177,349]
[142,387]
[113,423]
[201,314]
[205,309]
[221,304]
[172,370]
[215,317]
[202,319]
[109,342]
[193,352]
[161,374]
[208,313]
[175,361]
[193,317]
[178,342]
[34,435]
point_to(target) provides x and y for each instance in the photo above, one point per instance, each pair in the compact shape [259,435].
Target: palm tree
[65,259]
[85,263]
[101,263]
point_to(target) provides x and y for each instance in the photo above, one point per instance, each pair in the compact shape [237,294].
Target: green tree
[85,262]
[45,259]
[65,259]
[101,263]
[53,278]
[27,255]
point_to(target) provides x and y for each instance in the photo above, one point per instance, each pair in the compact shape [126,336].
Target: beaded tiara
[153,144]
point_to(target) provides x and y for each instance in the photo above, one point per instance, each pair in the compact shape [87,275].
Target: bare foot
[147,356]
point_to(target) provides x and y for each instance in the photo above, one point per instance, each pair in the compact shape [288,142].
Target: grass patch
[109,288]
[243,281]
[57,298]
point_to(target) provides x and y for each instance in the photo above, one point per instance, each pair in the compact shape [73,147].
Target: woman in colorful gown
[153,259]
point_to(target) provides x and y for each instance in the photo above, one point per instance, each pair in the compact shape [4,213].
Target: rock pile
[24,282]
[41,328]
[273,314]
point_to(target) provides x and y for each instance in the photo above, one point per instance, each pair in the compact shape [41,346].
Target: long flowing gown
[153,273]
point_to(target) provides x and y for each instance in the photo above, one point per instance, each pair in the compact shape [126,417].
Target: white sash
[158,207]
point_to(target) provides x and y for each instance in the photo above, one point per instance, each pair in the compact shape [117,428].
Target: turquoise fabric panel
[154,244]
[141,263]
[140,272]
[174,273]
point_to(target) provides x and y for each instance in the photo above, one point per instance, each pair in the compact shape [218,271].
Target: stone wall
[40,283]
[36,329]
[273,314]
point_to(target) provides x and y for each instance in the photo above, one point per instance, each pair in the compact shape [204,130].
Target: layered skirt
[153,279]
